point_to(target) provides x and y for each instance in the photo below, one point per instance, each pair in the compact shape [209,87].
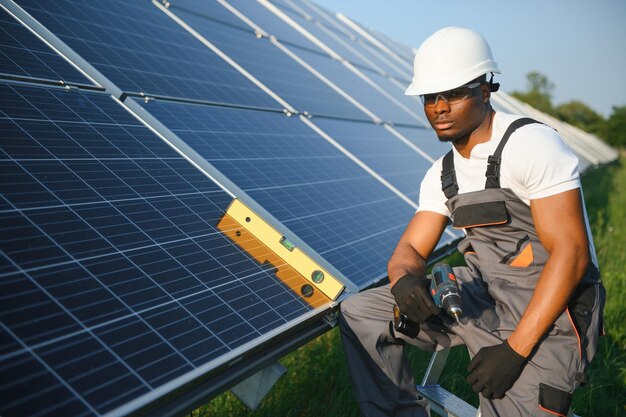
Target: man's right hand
[413,298]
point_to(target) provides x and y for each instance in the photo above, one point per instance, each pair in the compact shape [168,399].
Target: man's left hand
[494,370]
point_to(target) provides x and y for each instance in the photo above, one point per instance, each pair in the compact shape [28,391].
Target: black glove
[413,298]
[494,370]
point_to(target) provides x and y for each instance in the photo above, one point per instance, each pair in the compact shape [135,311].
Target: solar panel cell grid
[25,55]
[145,51]
[108,294]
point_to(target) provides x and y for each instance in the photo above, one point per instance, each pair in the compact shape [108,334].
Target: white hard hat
[450,58]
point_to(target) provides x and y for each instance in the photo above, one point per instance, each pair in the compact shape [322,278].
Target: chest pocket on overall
[489,213]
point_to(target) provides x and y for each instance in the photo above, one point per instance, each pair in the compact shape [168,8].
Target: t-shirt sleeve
[431,196]
[544,164]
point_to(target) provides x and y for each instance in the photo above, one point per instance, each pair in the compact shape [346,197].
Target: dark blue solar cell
[113,269]
[291,81]
[25,55]
[140,49]
[327,200]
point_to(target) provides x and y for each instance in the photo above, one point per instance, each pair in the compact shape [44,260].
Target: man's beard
[458,139]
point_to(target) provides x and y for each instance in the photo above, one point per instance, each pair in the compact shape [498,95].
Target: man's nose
[441,104]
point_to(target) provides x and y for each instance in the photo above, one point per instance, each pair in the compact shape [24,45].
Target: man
[531,292]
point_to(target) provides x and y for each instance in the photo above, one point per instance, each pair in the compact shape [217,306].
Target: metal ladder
[442,401]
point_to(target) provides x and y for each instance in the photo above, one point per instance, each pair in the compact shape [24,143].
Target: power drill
[445,290]
[446,294]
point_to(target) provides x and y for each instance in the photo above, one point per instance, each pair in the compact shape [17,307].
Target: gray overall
[504,258]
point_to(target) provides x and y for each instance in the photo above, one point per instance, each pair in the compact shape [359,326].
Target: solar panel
[22,54]
[126,272]
[322,196]
[140,49]
[263,59]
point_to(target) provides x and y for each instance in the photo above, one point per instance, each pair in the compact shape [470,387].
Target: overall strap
[493,167]
[448,176]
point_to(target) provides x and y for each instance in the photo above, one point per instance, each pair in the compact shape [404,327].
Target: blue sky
[580,45]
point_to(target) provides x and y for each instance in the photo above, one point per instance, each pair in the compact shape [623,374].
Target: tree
[616,127]
[580,115]
[539,94]
[576,113]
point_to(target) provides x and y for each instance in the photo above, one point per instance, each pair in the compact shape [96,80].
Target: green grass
[317,383]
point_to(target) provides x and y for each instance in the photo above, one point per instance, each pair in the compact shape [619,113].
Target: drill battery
[404,325]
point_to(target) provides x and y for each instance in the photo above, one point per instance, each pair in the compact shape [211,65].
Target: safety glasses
[453,96]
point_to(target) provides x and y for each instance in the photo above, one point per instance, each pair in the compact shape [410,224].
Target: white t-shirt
[536,163]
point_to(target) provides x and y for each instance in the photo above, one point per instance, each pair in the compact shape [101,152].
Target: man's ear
[486,92]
